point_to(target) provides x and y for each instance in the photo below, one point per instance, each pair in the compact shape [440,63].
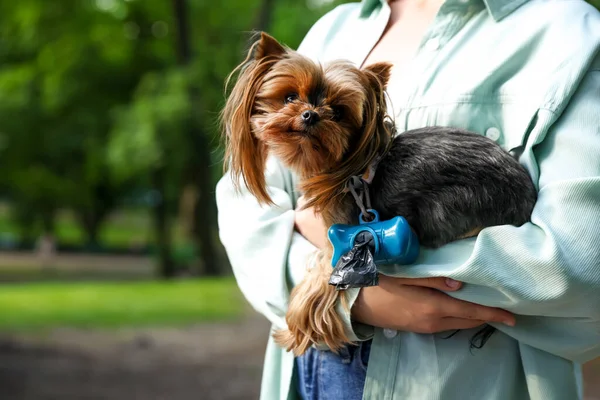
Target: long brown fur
[312,316]
[258,120]
[245,152]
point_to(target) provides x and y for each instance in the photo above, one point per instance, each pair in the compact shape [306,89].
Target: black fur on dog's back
[448,182]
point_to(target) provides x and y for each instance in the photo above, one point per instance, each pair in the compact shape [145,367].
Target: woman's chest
[468,78]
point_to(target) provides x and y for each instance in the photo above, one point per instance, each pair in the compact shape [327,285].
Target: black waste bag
[356,268]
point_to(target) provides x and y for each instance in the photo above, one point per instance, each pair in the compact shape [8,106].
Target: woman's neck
[408,22]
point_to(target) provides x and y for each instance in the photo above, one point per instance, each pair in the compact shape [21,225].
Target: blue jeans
[324,375]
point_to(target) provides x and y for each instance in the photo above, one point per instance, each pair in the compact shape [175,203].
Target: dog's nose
[310,117]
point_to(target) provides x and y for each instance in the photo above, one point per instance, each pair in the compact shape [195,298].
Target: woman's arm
[258,239]
[548,271]
[269,258]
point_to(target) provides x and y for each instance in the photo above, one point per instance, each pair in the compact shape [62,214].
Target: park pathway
[210,362]
[220,361]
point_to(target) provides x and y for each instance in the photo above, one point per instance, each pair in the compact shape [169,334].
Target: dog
[329,123]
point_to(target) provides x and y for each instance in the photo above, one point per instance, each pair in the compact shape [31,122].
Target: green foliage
[41,307]
[92,99]
[150,128]
[58,84]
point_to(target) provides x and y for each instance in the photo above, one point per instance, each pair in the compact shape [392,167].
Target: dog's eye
[290,97]
[338,113]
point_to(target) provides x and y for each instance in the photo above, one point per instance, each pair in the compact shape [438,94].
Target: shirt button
[390,333]
[432,44]
[464,1]
[493,133]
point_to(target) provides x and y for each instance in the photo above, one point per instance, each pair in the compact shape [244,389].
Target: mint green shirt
[527,75]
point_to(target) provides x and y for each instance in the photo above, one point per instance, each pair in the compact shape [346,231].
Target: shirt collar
[498,9]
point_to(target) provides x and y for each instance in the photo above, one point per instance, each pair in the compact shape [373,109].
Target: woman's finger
[465,310]
[440,283]
[450,324]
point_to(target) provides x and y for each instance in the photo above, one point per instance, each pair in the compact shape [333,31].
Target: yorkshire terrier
[329,123]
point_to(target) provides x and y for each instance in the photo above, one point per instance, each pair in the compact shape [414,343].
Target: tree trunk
[198,170]
[161,225]
[48,221]
[205,227]
[92,227]
[91,221]
[91,216]
[265,15]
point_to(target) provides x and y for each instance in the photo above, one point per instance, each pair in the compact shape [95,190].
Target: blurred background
[113,282]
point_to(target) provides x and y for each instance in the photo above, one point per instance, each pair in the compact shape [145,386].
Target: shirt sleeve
[258,238]
[546,271]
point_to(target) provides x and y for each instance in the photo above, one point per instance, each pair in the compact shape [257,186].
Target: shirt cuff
[356,331]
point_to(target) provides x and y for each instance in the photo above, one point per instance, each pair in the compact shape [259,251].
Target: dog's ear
[380,71]
[245,154]
[267,46]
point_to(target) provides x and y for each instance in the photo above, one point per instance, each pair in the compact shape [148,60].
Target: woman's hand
[310,225]
[414,305]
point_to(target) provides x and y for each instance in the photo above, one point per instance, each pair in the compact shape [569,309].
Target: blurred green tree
[60,76]
[102,98]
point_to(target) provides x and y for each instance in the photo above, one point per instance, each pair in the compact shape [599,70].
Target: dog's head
[318,120]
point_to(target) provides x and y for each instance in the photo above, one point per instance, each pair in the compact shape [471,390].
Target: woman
[525,73]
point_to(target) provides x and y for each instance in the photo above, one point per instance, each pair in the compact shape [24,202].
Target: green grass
[38,274]
[43,306]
